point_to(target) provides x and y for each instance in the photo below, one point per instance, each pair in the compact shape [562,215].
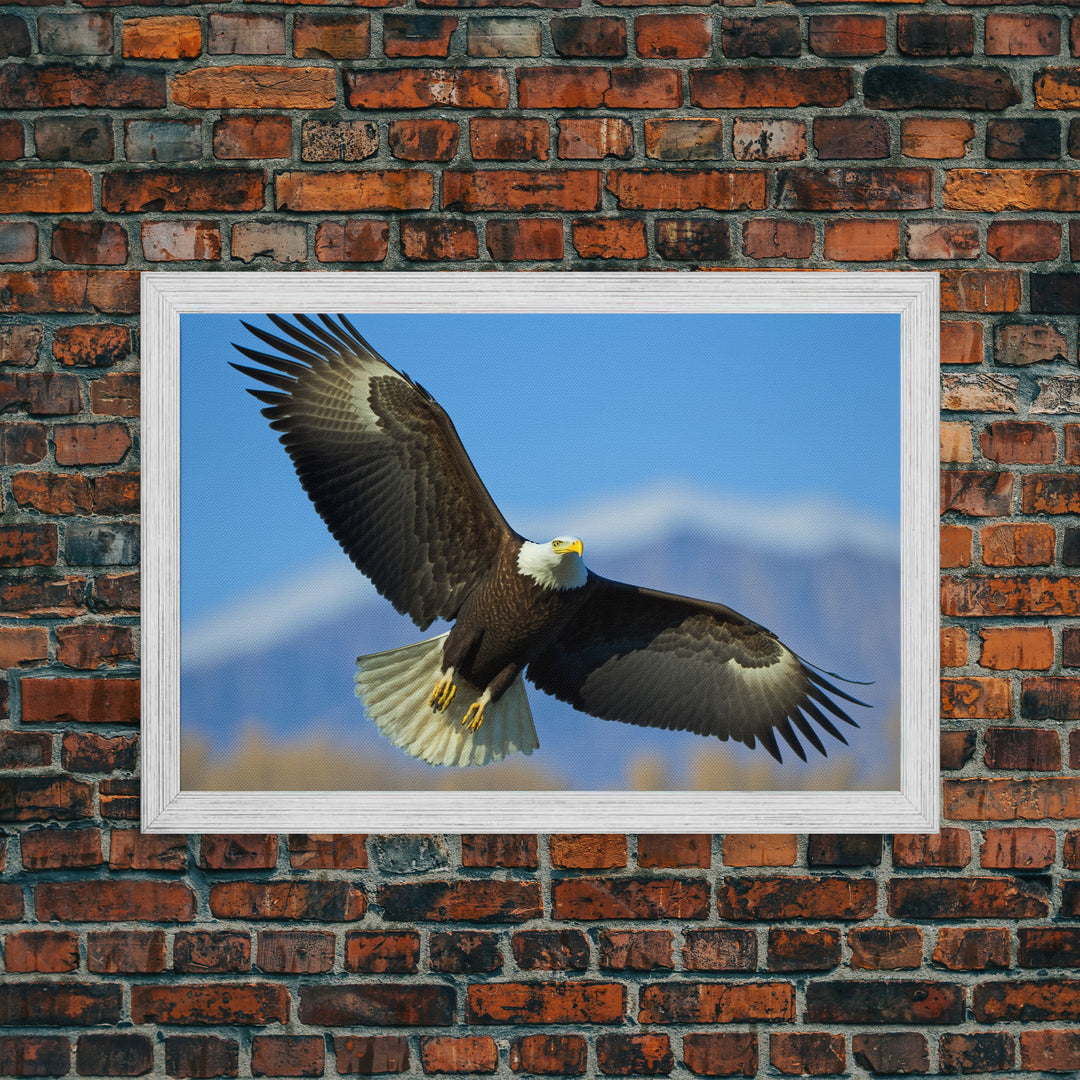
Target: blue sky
[556,411]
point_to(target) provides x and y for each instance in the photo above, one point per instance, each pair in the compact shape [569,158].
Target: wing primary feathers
[313,328]
[816,678]
[815,690]
[807,730]
[789,736]
[314,344]
[287,347]
[343,338]
[271,378]
[289,367]
[768,740]
[360,339]
[809,707]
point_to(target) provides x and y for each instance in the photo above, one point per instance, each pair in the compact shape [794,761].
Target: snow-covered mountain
[280,659]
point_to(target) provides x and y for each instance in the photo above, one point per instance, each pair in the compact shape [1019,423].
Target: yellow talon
[475,716]
[444,692]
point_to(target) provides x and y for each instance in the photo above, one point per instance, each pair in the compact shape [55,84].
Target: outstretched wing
[382,463]
[658,660]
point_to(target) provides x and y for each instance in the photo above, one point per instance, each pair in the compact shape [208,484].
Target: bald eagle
[386,470]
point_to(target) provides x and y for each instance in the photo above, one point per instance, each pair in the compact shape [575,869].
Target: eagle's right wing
[382,463]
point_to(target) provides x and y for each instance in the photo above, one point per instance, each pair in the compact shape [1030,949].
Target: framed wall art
[540,552]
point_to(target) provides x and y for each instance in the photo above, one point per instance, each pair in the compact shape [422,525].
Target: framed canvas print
[540,552]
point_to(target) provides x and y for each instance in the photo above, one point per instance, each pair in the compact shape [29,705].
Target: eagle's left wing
[658,660]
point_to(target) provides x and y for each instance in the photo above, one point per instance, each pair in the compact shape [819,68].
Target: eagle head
[554,565]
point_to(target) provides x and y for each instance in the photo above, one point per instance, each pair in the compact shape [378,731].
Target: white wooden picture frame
[913,807]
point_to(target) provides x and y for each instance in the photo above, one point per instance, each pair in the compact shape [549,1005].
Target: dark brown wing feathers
[658,660]
[382,463]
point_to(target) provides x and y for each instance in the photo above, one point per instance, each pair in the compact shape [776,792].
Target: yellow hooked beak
[564,548]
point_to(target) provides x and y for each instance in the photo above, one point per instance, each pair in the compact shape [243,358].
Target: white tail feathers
[396,686]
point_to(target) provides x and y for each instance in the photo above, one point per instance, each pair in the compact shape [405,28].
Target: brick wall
[547,134]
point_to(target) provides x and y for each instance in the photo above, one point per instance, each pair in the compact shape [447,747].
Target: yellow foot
[444,691]
[475,716]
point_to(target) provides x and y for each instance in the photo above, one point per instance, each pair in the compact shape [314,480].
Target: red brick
[595,87]
[494,138]
[25,750]
[417,35]
[978,493]
[1027,647]
[201,951]
[113,292]
[902,1052]
[339,37]
[565,1002]
[610,238]
[847,35]
[248,137]
[675,850]
[19,343]
[115,395]
[370,1054]
[1056,88]
[716,1003]
[855,137]
[1019,442]
[41,951]
[803,950]
[468,900]
[807,1053]
[1050,493]
[61,849]
[769,87]
[767,140]
[590,138]
[238,852]
[972,948]
[422,88]
[89,646]
[1011,189]
[41,393]
[922,137]
[162,37]
[332,851]
[295,952]
[1024,241]
[990,1051]
[34,1055]
[464,951]
[720,950]
[97,345]
[549,1055]
[777,238]
[40,798]
[287,1055]
[1027,999]
[351,1004]
[1017,849]
[957,748]
[108,901]
[583,37]
[635,950]
[11,140]
[91,444]
[895,1001]
[1017,545]
[87,752]
[356,240]
[247,33]
[885,948]
[956,546]
[752,849]
[382,952]
[961,342]
[942,240]
[521,190]
[550,950]
[684,140]
[201,1056]
[28,545]
[1050,1051]
[979,799]
[338,140]
[460,1054]
[972,697]
[65,86]
[1019,344]
[23,646]
[643,1054]
[523,239]
[693,239]
[862,240]
[795,898]
[181,241]
[177,191]
[324,901]
[629,898]
[652,189]
[1022,35]
[882,189]
[667,37]
[60,1003]
[18,241]
[252,86]
[974,391]
[423,139]
[721,1053]
[949,848]
[210,1003]
[372,189]
[953,647]
[935,35]
[492,37]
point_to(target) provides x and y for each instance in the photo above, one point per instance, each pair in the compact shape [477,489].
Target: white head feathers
[555,565]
